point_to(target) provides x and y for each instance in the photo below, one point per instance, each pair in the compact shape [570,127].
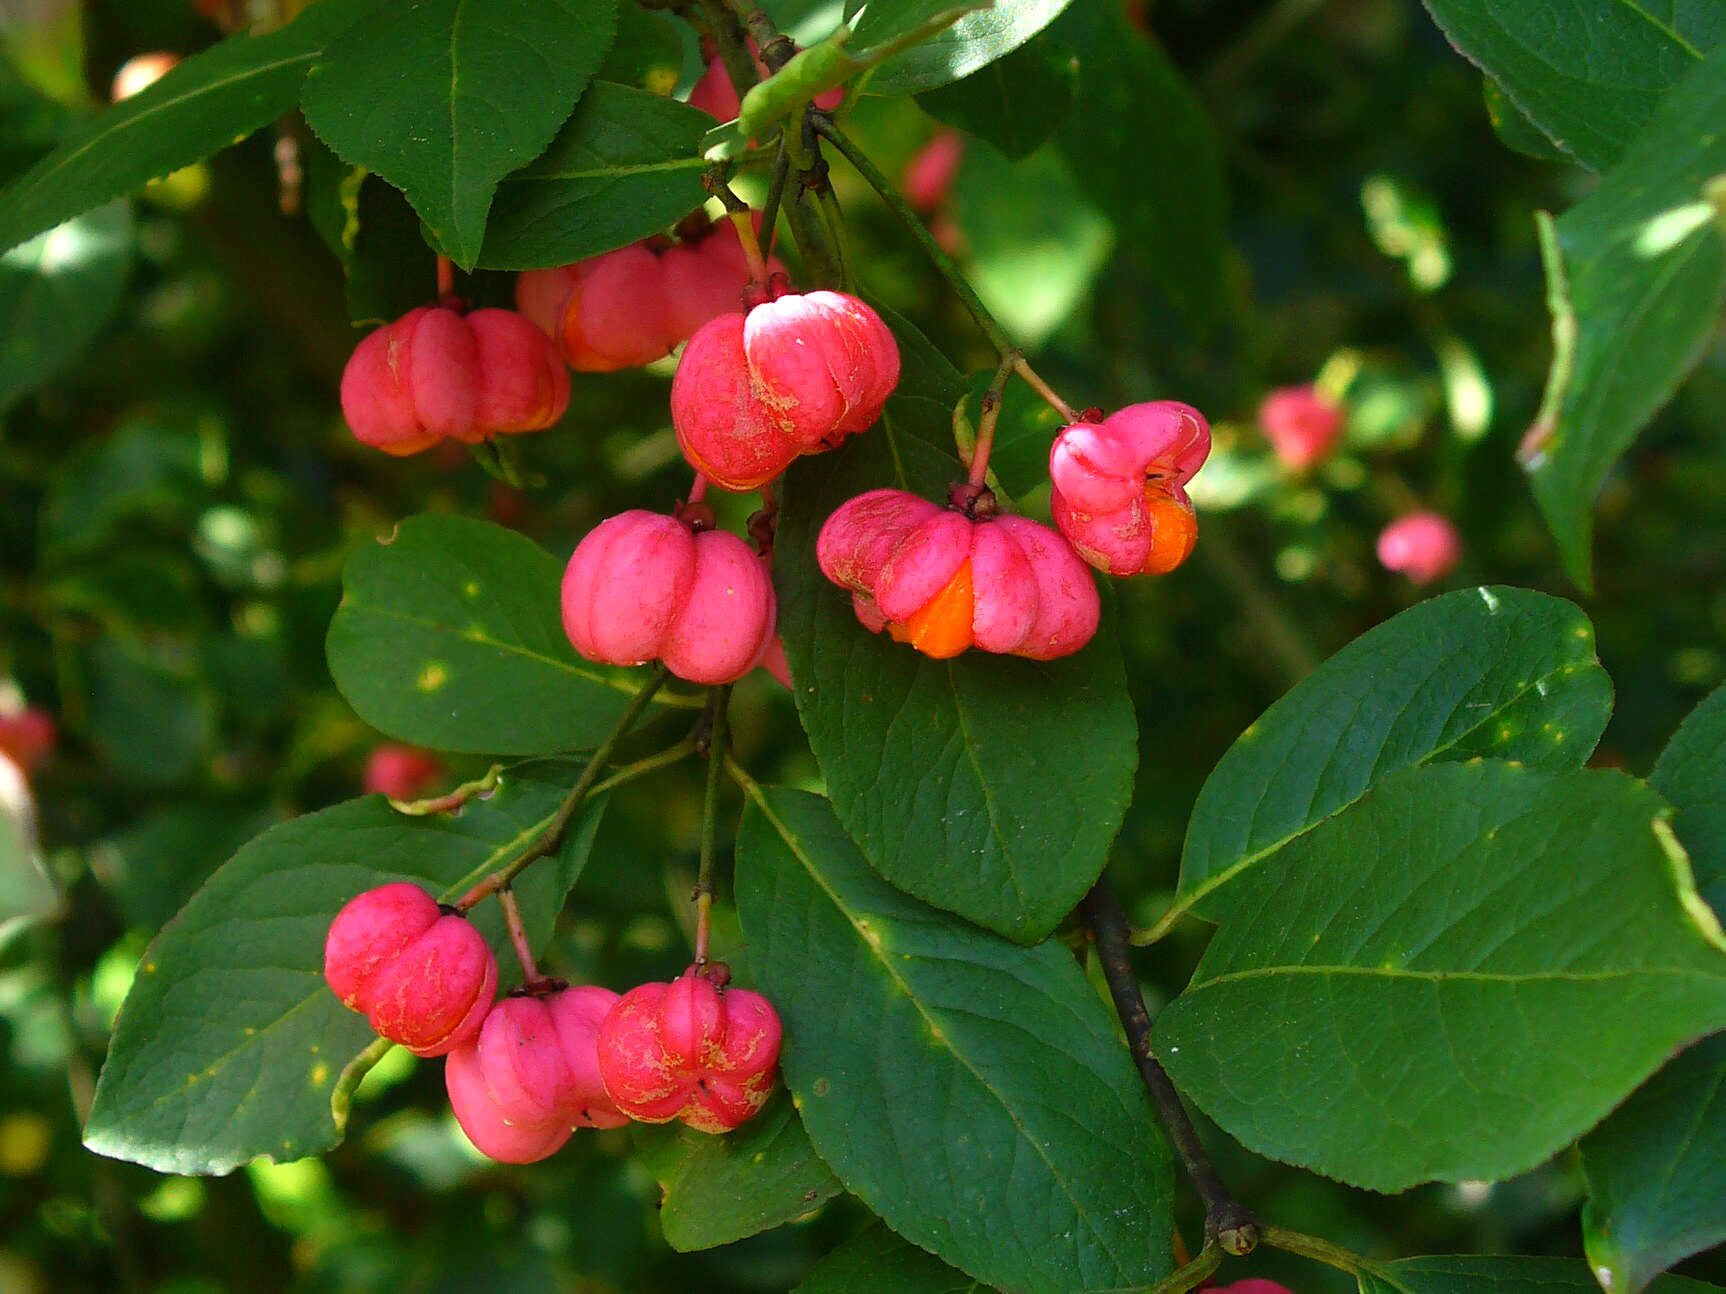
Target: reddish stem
[518,935]
[445,278]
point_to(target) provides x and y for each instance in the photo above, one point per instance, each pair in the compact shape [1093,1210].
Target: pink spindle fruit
[436,373]
[1251,1285]
[945,582]
[422,974]
[401,772]
[688,1050]
[1302,426]
[794,376]
[1422,545]
[28,736]
[530,1076]
[642,586]
[1119,486]
[929,176]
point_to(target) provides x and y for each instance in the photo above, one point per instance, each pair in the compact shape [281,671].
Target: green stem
[776,48]
[809,231]
[1193,1274]
[451,800]
[733,50]
[552,836]
[1323,1251]
[991,414]
[896,203]
[717,753]
[642,767]
[833,219]
[775,195]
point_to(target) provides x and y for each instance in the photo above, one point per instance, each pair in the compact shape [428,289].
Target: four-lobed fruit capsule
[645,586]
[795,375]
[423,976]
[530,1076]
[690,1050]
[944,581]
[1119,486]
[629,307]
[437,374]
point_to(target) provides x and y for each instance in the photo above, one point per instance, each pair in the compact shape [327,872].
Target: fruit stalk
[719,701]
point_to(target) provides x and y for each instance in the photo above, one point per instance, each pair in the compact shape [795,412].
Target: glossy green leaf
[879,1262]
[972,1092]
[1507,1274]
[1149,158]
[497,83]
[926,760]
[625,165]
[1033,243]
[1636,279]
[57,293]
[1657,1172]
[1016,102]
[973,42]
[1689,775]
[720,1189]
[1514,129]
[1492,671]
[448,636]
[203,105]
[1587,73]
[230,1045]
[1452,979]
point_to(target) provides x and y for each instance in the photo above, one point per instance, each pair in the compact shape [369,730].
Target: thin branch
[716,755]
[1229,1224]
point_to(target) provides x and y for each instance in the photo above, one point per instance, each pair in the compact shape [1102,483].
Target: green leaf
[370,228]
[496,83]
[151,713]
[1033,243]
[230,1045]
[1587,73]
[1492,671]
[1016,102]
[1453,979]
[1688,775]
[973,42]
[1140,140]
[206,103]
[146,469]
[879,1262]
[926,760]
[1513,128]
[1509,1274]
[624,166]
[720,1189]
[1636,278]
[1657,1172]
[57,293]
[448,636]
[152,867]
[647,53]
[972,1092]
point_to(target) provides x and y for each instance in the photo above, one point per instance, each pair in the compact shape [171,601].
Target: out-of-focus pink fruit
[1119,486]
[401,772]
[140,72]
[643,586]
[1302,426]
[1422,545]
[794,376]
[1252,1285]
[945,582]
[423,975]
[530,1076]
[435,374]
[688,1050]
[28,736]
[929,175]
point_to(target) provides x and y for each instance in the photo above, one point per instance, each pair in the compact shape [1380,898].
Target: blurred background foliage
[178,493]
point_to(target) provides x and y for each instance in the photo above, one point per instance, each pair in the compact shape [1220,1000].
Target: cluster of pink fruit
[523,1072]
[1304,427]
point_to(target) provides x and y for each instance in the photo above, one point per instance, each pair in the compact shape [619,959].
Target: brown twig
[1229,1224]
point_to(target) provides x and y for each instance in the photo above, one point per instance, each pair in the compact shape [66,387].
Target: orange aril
[1174,531]
[941,627]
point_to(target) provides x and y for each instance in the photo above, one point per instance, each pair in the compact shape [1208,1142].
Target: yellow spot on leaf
[432,676]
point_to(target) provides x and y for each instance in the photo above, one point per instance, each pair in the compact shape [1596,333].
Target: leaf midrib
[935,1030]
[1458,976]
